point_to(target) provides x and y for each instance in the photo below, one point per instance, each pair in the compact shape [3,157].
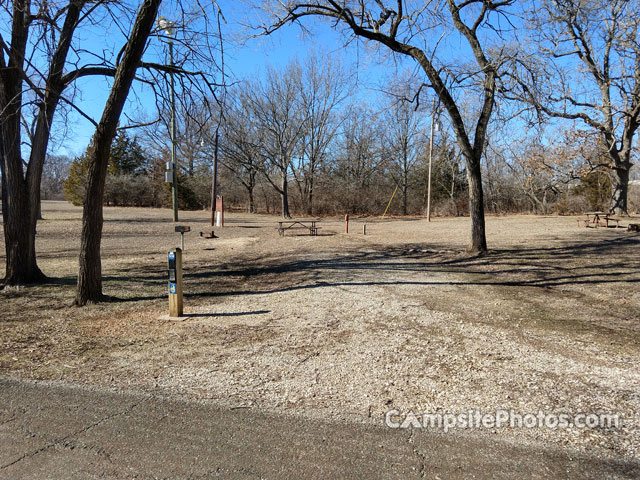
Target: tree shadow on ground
[585,263]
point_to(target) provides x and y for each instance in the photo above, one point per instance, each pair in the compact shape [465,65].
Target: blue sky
[242,61]
[246,60]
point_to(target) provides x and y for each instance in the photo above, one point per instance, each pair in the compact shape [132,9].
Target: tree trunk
[266,199]
[284,195]
[404,199]
[251,185]
[252,206]
[310,197]
[405,176]
[19,226]
[4,188]
[476,207]
[620,191]
[20,264]
[90,271]
[39,214]
[23,214]
[21,267]
[405,189]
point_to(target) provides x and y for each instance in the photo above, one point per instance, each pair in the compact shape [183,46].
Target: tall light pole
[433,110]
[168,28]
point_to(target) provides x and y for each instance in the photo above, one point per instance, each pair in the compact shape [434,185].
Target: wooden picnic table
[598,219]
[294,224]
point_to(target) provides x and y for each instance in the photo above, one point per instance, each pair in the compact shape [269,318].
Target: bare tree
[447,175]
[323,87]
[37,73]
[89,276]
[90,271]
[587,68]
[538,176]
[403,137]
[240,146]
[56,170]
[420,31]
[359,158]
[276,107]
[54,26]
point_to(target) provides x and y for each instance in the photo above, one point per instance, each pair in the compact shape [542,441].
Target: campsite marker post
[175,283]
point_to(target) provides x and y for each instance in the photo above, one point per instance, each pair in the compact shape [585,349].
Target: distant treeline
[297,141]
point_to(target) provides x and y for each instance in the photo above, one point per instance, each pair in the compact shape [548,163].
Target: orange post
[219,216]
[346,223]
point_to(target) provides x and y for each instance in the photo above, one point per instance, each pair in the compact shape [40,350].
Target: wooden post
[175,283]
[346,223]
[219,218]
[364,229]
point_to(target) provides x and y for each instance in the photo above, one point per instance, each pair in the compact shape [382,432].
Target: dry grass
[347,326]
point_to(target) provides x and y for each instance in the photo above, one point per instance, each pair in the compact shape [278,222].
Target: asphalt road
[67,432]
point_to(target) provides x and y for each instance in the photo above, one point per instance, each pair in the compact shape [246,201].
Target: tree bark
[251,186]
[310,195]
[90,270]
[620,191]
[252,205]
[284,195]
[405,192]
[476,206]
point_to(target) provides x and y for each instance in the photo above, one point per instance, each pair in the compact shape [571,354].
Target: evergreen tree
[75,184]
[127,156]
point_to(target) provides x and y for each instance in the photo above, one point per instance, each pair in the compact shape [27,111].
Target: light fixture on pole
[168,28]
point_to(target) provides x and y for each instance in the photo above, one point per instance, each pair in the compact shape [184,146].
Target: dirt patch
[348,326]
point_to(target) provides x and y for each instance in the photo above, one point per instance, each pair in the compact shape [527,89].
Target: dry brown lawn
[347,326]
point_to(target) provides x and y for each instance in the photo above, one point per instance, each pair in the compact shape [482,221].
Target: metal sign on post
[175,283]
[182,229]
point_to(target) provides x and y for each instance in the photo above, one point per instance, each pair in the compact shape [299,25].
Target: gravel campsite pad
[348,326]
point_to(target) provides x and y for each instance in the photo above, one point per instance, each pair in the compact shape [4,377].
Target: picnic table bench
[599,219]
[310,225]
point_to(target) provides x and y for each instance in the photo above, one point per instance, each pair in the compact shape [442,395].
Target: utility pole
[433,109]
[169,29]
[174,165]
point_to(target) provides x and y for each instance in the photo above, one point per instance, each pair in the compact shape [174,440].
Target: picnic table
[599,219]
[310,225]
